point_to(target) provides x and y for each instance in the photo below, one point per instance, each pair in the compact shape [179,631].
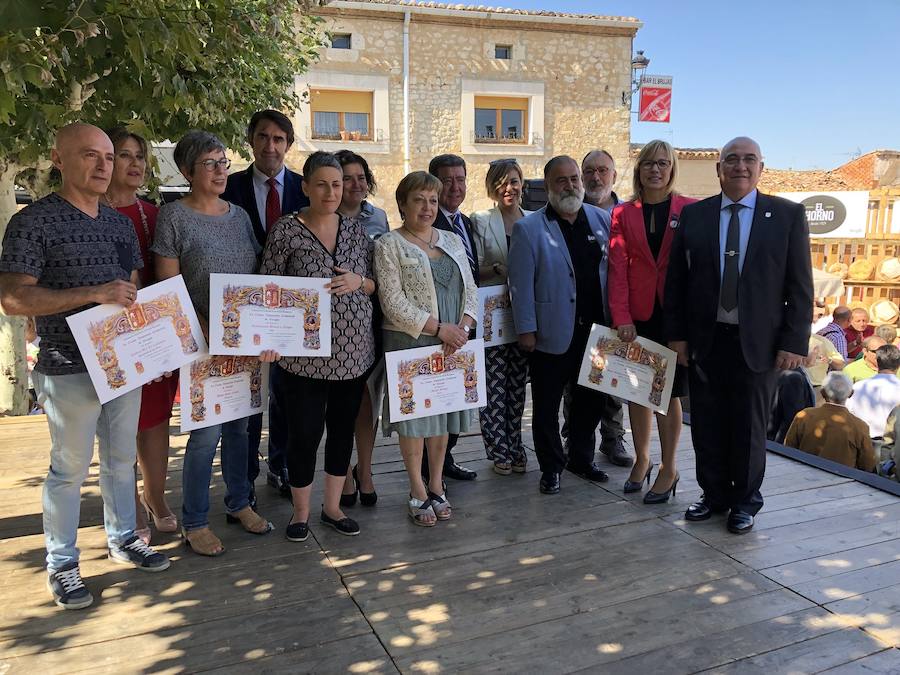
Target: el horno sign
[833,214]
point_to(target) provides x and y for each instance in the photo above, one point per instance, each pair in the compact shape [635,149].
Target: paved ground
[588,580]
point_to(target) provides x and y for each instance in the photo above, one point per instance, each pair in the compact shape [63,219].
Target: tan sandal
[203,542]
[421,512]
[441,506]
[251,521]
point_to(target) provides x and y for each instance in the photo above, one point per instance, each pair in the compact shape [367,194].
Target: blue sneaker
[136,553]
[68,589]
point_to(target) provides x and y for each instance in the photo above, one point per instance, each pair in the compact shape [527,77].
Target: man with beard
[557,280]
[598,172]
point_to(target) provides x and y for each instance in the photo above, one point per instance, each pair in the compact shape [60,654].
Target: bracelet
[362,281]
[438,331]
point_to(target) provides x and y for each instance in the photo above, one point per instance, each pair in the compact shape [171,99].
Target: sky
[815,82]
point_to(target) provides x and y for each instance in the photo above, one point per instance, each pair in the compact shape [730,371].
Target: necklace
[428,243]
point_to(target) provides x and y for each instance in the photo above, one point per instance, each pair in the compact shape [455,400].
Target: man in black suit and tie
[451,171]
[738,308]
[266,190]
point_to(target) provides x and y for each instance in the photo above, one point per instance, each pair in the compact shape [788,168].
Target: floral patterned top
[293,250]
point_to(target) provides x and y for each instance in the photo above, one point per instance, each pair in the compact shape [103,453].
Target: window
[340,41]
[341,115]
[503,51]
[499,119]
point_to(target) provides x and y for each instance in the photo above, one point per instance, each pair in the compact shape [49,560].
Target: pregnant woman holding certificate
[640,241]
[428,297]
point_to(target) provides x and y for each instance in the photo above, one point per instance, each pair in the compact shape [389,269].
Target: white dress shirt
[261,190]
[745,217]
[873,399]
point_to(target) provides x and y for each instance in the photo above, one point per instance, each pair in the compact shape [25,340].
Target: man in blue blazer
[266,190]
[558,260]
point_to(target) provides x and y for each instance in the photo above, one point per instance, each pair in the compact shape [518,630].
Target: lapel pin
[768,214]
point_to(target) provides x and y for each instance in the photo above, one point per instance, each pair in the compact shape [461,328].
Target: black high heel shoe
[635,486]
[365,498]
[349,499]
[661,497]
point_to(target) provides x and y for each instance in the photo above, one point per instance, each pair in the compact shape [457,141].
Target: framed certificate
[423,381]
[126,347]
[495,320]
[252,312]
[641,371]
[218,389]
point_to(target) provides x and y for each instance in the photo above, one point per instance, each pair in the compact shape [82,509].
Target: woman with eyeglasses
[640,241]
[195,236]
[129,173]
[507,367]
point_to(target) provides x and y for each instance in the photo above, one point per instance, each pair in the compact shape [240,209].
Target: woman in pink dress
[129,173]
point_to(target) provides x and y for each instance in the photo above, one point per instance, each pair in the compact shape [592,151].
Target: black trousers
[550,375]
[730,408]
[277,433]
[317,407]
[612,420]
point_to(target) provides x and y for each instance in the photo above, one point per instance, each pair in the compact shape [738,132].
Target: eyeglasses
[212,164]
[734,160]
[661,163]
[600,171]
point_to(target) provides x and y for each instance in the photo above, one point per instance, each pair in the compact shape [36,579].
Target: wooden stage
[588,580]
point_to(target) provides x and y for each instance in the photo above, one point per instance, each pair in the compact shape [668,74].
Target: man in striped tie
[451,171]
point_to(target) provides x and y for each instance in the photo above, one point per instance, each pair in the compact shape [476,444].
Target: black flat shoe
[345,525]
[739,522]
[365,498]
[661,497]
[457,472]
[590,472]
[297,532]
[635,486]
[549,483]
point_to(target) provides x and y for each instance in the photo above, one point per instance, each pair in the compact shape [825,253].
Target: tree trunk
[13,368]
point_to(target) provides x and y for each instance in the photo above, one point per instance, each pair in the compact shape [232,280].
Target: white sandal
[419,510]
[440,505]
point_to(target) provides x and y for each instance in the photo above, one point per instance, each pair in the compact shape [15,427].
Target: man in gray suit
[557,280]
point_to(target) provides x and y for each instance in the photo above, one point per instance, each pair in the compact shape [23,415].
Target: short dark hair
[317,160]
[841,313]
[887,357]
[441,161]
[279,118]
[192,145]
[559,159]
[346,157]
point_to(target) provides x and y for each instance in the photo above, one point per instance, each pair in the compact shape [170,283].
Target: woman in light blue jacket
[507,367]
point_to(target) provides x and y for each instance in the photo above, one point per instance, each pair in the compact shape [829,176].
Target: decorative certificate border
[103,334]
[434,364]
[223,366]
[270,296]
[635,353]
[491,303]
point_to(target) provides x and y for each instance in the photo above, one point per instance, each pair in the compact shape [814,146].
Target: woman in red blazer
[640,241]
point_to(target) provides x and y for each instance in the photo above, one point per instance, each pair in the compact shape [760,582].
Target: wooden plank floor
[589,580]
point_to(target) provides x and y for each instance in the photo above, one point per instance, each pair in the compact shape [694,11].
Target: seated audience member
[792,394]
[874,398]
[858,330]
[890,447]
[831,431]
[866,367]
[887,332]
[835,331]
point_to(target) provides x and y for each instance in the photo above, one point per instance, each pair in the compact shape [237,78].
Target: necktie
[273,204]
[729,297]
[461,231]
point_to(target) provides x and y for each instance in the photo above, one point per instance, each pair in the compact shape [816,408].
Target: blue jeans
[75,416]
[197,471]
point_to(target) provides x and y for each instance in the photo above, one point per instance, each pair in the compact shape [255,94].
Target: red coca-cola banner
[656,98]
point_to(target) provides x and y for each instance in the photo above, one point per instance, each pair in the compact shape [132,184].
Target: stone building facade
[556,82]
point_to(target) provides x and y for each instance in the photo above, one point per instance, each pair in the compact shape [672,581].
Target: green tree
[161,67]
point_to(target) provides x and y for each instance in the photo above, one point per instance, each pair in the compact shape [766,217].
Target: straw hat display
[861,270]
[889,269]
[839,269]
[884,311]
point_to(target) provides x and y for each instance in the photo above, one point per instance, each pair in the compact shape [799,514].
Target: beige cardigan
[490,240]
[405,284]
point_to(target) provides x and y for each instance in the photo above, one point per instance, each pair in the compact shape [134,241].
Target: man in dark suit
[266,190]
[739,299]
[451,171]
